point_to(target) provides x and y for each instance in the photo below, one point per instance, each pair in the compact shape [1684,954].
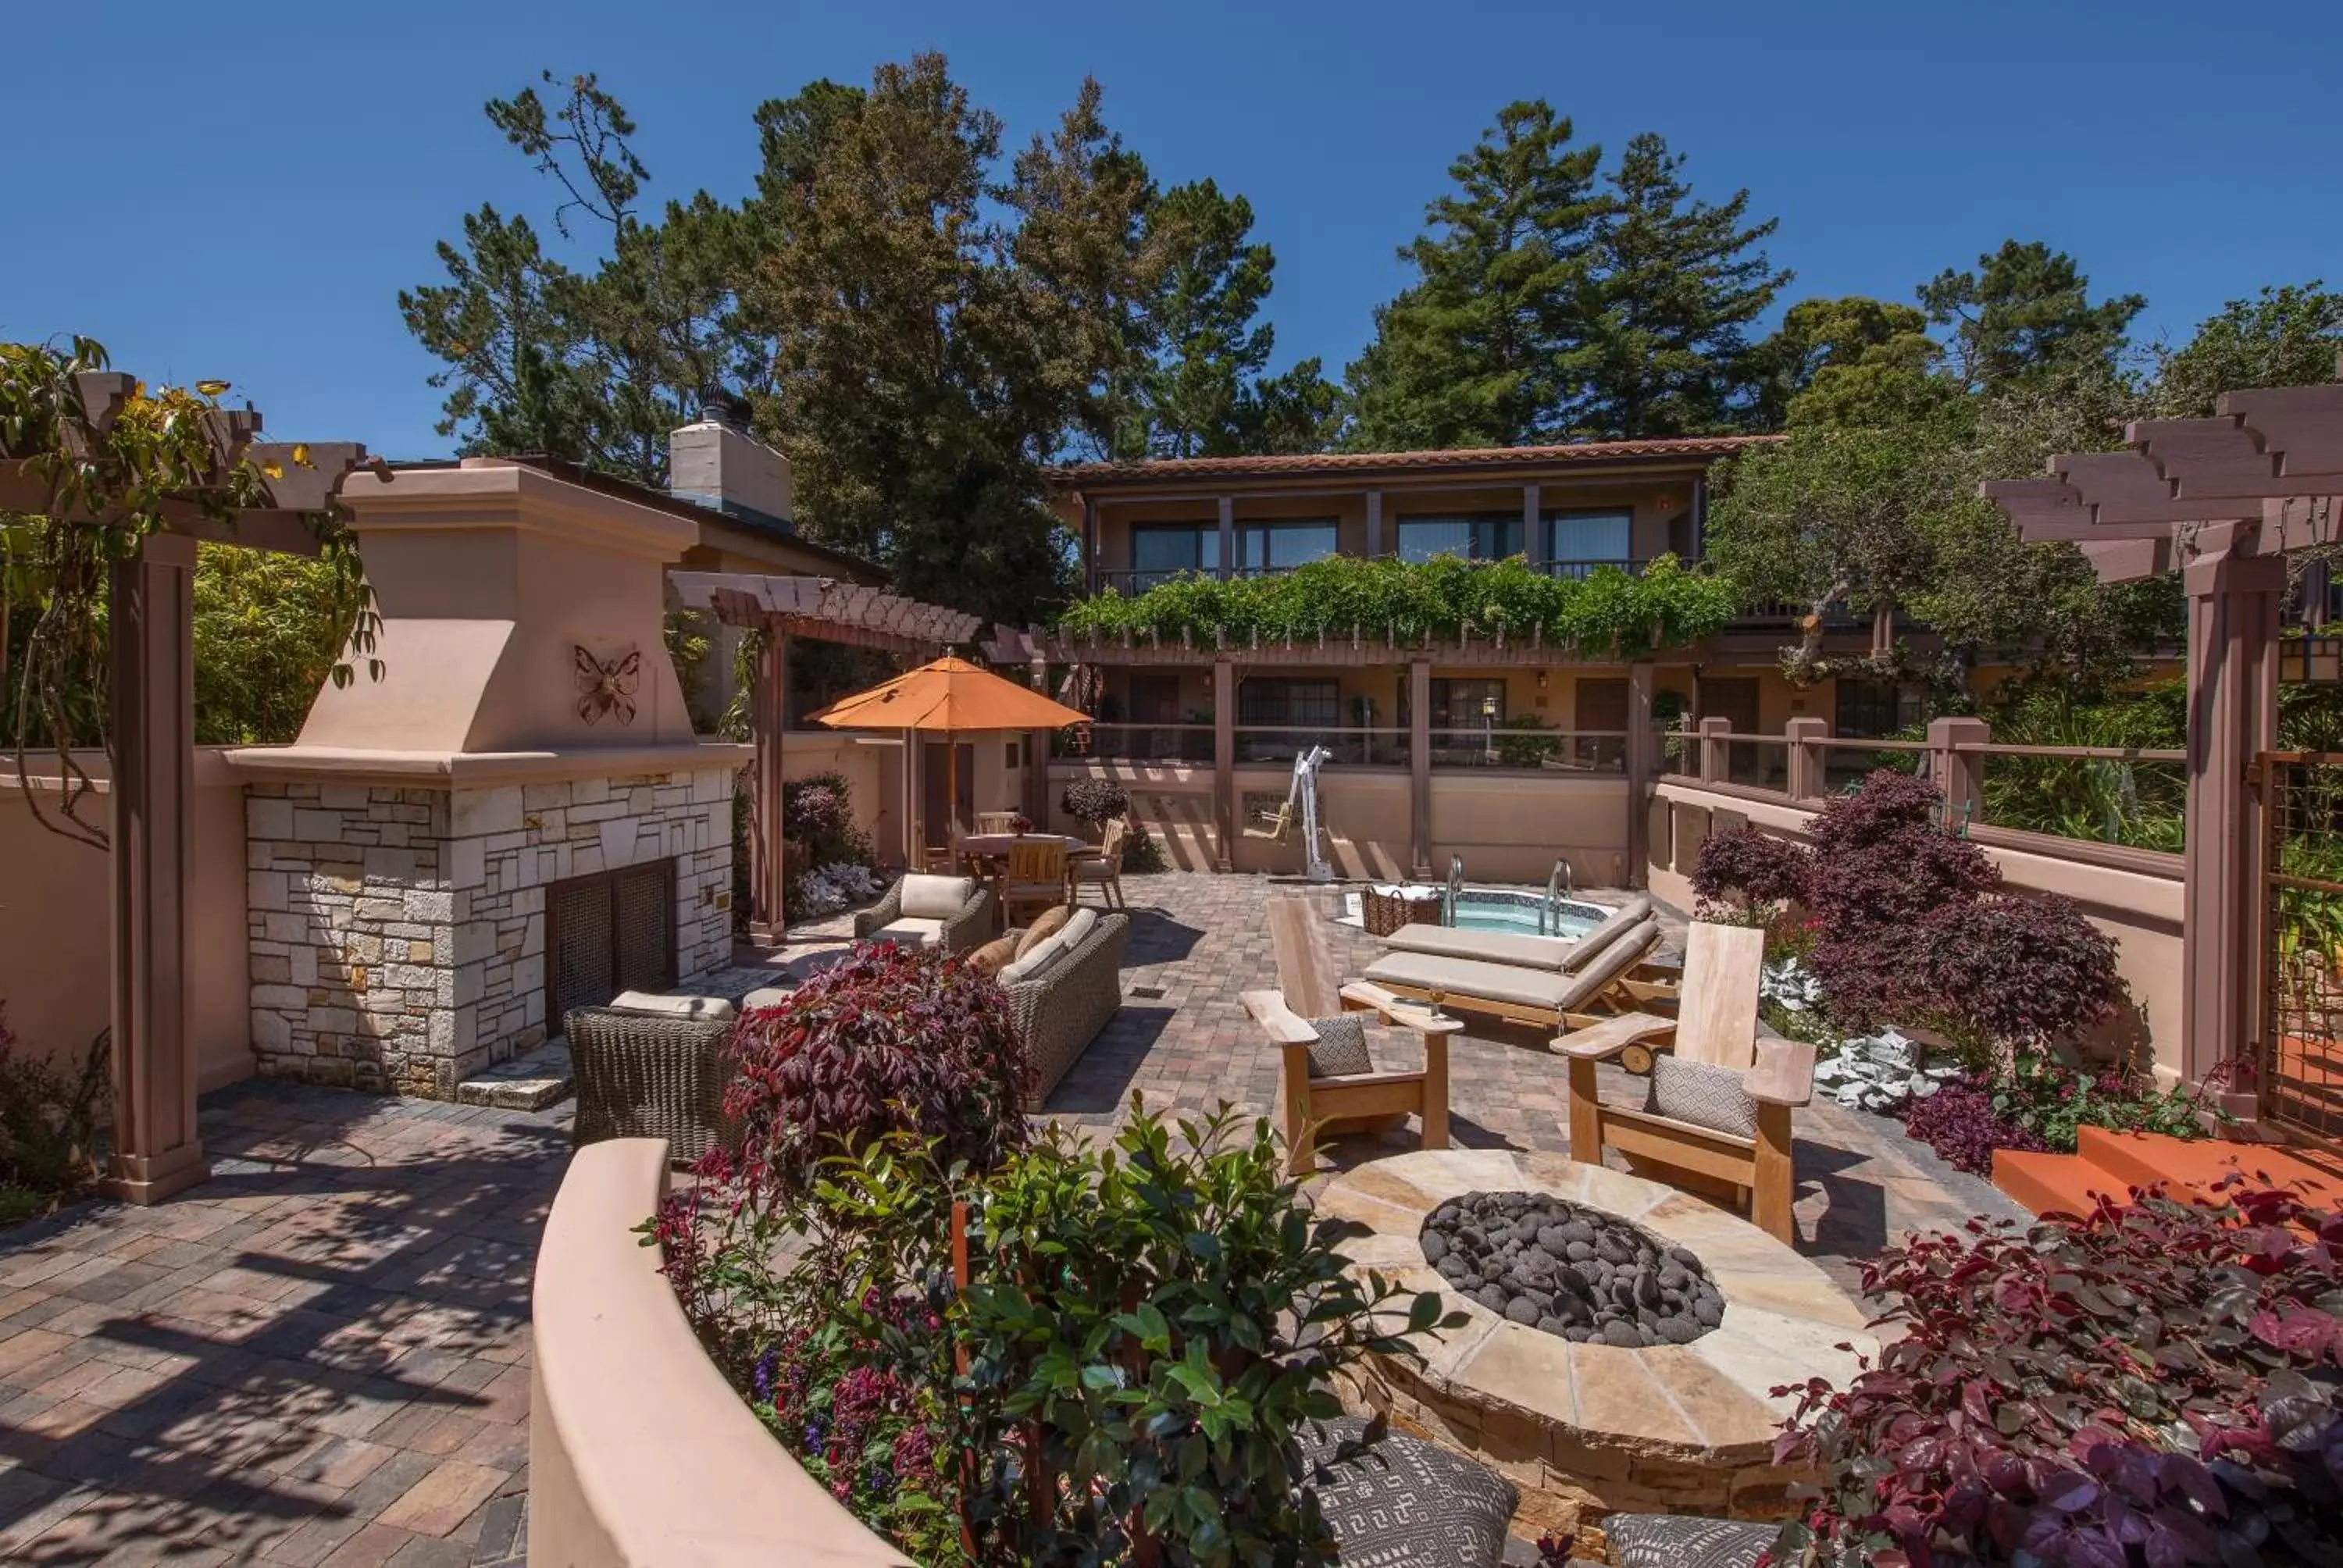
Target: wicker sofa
[955,913]
[1062,1005]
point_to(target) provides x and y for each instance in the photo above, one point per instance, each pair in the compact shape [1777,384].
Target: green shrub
[1146,1324]
[49,1117]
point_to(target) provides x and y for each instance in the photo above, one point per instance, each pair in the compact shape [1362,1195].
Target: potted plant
[1094,802]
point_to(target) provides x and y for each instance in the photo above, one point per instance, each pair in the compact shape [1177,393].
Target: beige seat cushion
[1512,983]
[1622,920]
[1035,958]
[1495,947]
[912,932]
[1078,925]
[1046,924]
[712,1008]
[932,898]
[767,996]
[995,955]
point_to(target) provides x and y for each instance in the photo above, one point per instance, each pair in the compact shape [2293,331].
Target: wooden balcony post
[1090,545]
[1533,544]
[1374,524]
[1418,766]
[2233,654]
[1228,537]
[1224,758]
[1960,779]
[1643,763]
[157,1151]
[769,719]
[1715,762]
[1806,768]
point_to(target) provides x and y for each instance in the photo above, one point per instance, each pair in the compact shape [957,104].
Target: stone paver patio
[322,1355]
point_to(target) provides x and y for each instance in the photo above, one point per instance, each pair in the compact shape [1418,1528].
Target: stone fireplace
[500,826]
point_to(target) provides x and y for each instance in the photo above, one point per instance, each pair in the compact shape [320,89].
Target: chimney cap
[726,408]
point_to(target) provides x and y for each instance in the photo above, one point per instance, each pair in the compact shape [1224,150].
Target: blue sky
[241,193]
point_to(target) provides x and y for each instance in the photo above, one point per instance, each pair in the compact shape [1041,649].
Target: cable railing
[1351,745]
[1597,752]
[2136,796]
[1137,742]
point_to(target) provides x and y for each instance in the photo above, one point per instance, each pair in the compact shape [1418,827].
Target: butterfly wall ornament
[607,686]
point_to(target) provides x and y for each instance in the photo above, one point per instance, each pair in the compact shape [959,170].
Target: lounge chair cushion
[1685,1541]
[1471,978]
[1341,1048]
[936,897]
[1045,926]
[767,996]
[996,955]
[1618,923]
[1702,1093]
[910,932]
[708,1009]
[1529,951]
[1404,1502]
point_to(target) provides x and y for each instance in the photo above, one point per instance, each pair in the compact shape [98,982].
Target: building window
[1579,542]
[1875,709]
[1467,704]
[1281,546]
[1161,551]
[1279,703]
[1477,536]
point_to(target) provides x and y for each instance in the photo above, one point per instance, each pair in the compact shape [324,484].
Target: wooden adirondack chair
[1310,987]
[1717,1023]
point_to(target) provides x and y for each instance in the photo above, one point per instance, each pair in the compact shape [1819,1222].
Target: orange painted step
[2047,1183]
[2191,1167]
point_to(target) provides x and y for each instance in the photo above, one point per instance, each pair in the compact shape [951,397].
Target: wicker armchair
[965,925]
[1061,1009]
[642,1075]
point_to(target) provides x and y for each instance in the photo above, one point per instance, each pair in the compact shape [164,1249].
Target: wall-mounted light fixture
[1541,680]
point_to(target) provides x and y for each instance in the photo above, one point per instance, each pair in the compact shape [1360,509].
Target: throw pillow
[995,955]
[933,897]
[1702,1093]
[1077,926]
[1685,1541]
[1341,1048]
[1045,925]
[706,1008]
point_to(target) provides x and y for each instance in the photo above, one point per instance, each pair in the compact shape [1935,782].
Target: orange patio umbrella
[949,696]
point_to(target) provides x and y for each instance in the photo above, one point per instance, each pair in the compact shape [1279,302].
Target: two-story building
[1510,755]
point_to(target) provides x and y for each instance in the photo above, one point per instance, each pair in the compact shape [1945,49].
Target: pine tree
[2026,310]
[1482,348]
[2285,336]
[1676,281]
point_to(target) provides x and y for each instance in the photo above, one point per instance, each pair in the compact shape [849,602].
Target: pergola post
[157,1150]
[1806,772]
[1641,761]
[1960,779]
[2233,628]
[1224,762]
[769,716]
[1418,766]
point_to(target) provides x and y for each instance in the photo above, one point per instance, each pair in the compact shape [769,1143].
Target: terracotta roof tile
[1078,474]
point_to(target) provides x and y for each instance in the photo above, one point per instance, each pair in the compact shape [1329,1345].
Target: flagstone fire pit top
[1591,1426]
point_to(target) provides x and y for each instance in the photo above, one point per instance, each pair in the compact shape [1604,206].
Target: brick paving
[321,1357]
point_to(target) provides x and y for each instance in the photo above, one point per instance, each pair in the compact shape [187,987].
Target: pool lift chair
[1302,793]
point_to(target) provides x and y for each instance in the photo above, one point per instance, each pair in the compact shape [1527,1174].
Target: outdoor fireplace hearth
[1584,1423]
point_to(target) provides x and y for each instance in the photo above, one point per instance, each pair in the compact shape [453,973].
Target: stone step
[2116,1162]
[530,1082]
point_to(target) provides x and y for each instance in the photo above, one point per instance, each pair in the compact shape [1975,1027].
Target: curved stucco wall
[639,1453]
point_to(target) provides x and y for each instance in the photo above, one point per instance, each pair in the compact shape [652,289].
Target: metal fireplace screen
[608,933]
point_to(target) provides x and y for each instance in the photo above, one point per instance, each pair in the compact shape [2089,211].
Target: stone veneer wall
[397,934]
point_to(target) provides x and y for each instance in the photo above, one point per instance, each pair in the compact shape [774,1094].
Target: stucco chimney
[717,463]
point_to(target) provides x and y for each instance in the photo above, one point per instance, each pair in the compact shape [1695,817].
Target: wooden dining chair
[1035,877]
[996,822]
[1102,868]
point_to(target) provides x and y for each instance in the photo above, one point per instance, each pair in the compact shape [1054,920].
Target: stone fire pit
[1585,1423]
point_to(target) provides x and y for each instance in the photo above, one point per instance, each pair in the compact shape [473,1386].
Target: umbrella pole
[951,787]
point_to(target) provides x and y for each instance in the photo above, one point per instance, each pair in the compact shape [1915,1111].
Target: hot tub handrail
[1560,884]
[1455,886]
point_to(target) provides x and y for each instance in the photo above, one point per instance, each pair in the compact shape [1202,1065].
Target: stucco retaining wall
[639,1453]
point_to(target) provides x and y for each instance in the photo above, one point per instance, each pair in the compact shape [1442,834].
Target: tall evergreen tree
[1848,361]
[2285,336]
[1676,282]
[1483,348]
[2026,310]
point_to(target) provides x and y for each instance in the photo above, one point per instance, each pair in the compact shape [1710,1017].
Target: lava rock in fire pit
[1571,1271]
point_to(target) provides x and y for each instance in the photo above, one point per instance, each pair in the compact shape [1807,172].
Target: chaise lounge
[1540,980]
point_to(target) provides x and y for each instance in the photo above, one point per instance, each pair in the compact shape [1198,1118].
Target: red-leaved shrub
[1753,868]
[2009,971]
[889,1039]
[1960,1123]
[2153,1386]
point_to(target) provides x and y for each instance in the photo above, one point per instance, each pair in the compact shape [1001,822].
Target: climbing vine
[1608,613]
[102,488]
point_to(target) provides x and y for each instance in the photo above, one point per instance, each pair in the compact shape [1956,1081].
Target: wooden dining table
[993,848]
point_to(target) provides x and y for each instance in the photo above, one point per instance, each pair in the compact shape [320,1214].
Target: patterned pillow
[1404,1502]
[1341,1048]
[1702,1093]
[1685,1541]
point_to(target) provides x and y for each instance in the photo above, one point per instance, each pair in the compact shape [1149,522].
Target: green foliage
[268,630]
[1849,361]
[1423,602]
[1143,852]
[1546,305]
[2025,310]
[2040,1094]
[1159,1314]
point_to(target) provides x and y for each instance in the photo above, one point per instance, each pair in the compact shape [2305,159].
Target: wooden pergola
[821,609]
[151,735]
[2221,500]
